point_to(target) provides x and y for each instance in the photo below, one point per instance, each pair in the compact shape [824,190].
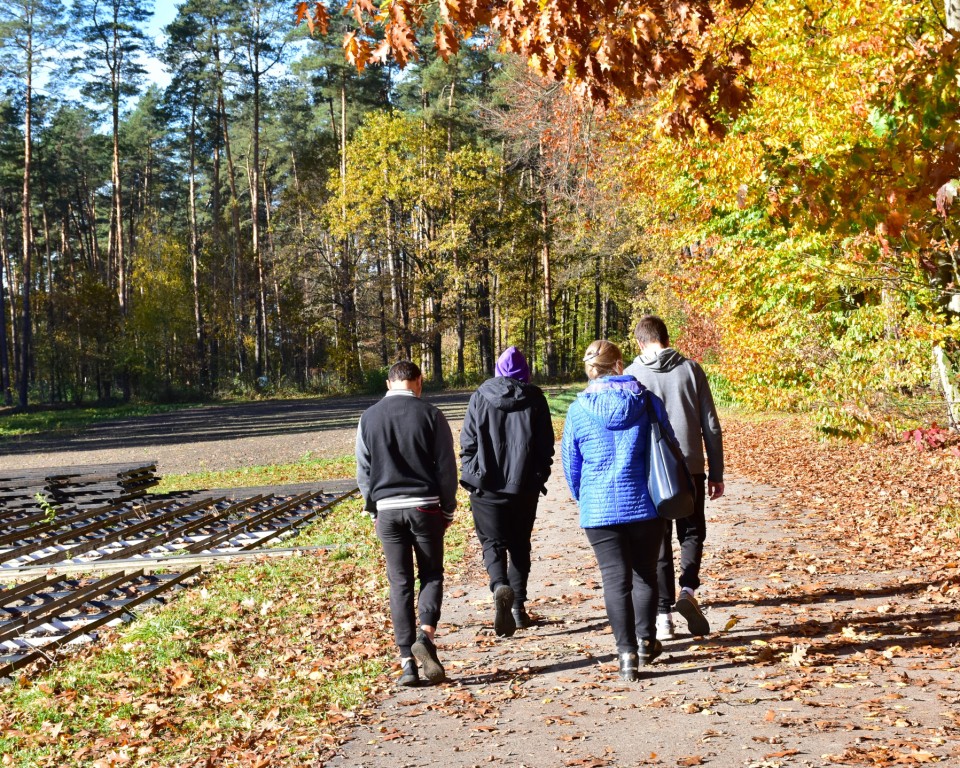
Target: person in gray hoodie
[506,449]
[683,387]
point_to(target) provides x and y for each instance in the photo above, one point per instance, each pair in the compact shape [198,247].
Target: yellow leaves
[450,10]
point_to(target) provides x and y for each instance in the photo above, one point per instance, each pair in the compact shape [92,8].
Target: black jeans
[403,534]
[691,533]
[627,556]
[504,524]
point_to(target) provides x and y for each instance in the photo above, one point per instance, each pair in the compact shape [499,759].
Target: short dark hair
[651,328]
[404,371]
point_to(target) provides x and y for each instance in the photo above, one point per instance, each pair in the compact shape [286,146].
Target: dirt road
[215,437]
[811,662]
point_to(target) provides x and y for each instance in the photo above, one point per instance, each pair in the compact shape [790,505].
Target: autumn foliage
[606,51]
[813,251]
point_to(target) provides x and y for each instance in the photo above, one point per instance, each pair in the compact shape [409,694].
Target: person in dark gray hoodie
[683,387]
[506,449]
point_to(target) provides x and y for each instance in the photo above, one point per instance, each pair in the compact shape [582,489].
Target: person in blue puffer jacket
[604,452]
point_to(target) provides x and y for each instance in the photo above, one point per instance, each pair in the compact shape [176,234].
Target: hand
[715,490]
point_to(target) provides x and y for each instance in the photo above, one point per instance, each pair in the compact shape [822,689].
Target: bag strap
[654,419]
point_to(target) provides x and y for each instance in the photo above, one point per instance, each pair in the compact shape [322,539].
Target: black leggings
[627,556]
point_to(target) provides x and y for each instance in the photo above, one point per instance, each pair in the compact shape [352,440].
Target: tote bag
[668,478]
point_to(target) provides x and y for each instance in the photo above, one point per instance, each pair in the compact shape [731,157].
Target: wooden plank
[150,564]
[21,624]
[86,546]
[43,652]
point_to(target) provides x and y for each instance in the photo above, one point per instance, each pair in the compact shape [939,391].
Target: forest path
[823,652]
[215,437]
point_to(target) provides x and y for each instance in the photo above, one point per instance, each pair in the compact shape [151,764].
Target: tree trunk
[4,355]
[199,340]
[50,331]
[950,393]
[486,320]
[597,299]
[235,266]
[393,270]
[13,308]
[549,318]
[116,253]
[261,313]
[27,233]
[382,299]
[436,339]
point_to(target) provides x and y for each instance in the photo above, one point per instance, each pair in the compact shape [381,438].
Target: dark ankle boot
[649,650]
[628,666]
[503,622]
[521,617]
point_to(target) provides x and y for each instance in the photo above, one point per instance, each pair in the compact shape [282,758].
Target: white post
[950,393]
[952,10]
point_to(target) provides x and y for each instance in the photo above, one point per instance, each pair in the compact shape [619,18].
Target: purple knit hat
[513,364]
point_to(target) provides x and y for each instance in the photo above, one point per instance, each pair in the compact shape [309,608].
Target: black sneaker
[628,666]
[687,607]
[503,622]
[521,618]
[410,674]
[649,650]
[425,652]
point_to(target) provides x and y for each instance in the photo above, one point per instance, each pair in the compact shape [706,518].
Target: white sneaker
[665,626]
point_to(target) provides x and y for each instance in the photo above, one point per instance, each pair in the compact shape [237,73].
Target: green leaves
[882,123]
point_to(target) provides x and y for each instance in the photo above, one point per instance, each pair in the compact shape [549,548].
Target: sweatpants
[405,534]
[504,525]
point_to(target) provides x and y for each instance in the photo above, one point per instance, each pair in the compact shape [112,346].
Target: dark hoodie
[682,385]
[507,440]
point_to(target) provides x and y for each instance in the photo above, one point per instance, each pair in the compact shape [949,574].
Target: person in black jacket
[506,449]
[407,474]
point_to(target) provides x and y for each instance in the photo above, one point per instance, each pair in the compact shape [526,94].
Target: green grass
[308,469]
[255,644]
[559,398]
[73,419]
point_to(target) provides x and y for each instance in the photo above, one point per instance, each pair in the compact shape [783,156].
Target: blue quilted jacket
[604,451]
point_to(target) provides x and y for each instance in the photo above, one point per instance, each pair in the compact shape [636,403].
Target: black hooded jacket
[507,440]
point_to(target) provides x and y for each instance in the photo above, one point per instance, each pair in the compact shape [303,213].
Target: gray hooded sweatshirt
[683,387]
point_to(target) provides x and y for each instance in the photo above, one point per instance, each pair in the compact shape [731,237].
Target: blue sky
[164,11]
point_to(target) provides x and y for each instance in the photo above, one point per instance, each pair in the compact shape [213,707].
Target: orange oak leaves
[605,50]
